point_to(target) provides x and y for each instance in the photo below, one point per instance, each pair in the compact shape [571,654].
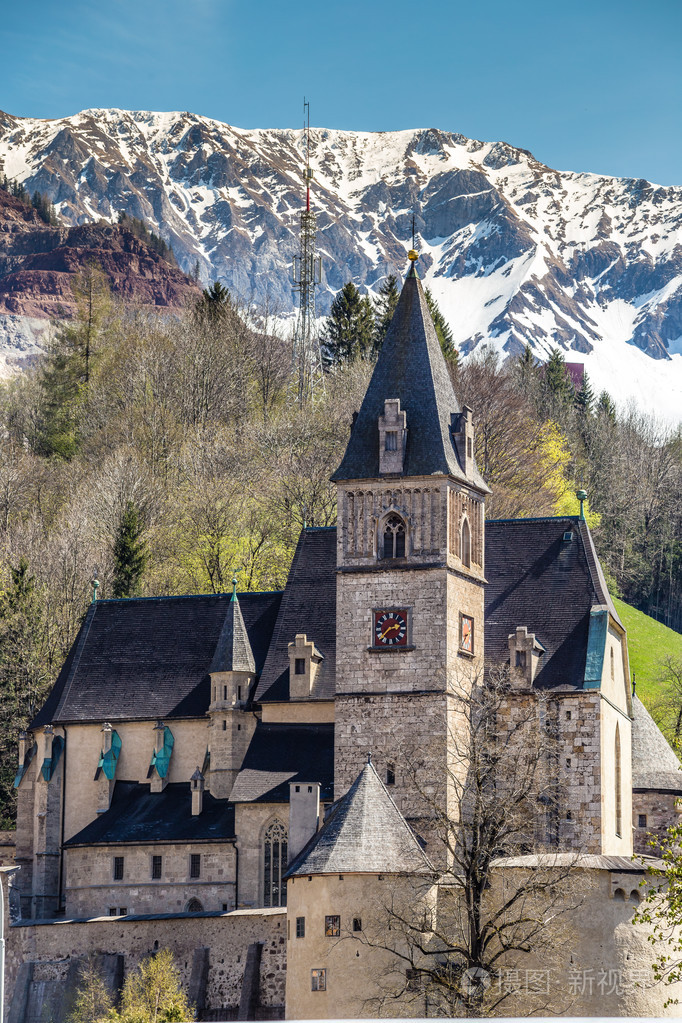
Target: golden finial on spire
[413,255]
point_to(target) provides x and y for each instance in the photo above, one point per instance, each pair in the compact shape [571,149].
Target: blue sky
[584,85]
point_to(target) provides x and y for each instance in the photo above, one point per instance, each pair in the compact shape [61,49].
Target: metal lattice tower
[306,272]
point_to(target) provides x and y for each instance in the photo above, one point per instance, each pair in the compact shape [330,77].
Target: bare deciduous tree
[503,892]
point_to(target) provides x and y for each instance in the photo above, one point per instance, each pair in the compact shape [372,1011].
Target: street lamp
[8,872]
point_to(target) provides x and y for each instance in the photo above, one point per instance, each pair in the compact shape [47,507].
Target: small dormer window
[394,538]
[304,661]
[520,658]
[470,448]
[392,437]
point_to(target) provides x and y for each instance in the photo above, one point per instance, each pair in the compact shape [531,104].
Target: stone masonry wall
[7,848]
[407,732]
[92,891]
[576,720]
[227,936]
[580,761]
[660,810]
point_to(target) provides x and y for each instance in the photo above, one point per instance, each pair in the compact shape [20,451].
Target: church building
[195,749]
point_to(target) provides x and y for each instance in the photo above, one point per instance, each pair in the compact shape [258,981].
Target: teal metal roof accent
[23,768]
[108,761]
[161,758]
[50,763]
[596,647]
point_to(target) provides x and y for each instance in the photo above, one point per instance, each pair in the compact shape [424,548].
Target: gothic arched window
[394,537]
[274,865]
[466,543]
[619,801]
[194,906]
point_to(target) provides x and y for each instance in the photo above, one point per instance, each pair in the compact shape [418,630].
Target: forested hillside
[164,456]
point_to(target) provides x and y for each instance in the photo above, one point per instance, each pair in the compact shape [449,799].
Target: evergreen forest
[148,455]
[40,203]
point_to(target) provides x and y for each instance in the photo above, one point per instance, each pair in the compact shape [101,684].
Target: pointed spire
[365,833]
[411,367]
[233,652]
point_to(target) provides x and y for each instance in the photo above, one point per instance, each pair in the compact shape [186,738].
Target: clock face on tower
[390,628]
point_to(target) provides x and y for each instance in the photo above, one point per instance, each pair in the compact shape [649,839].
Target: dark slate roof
[309,606]
[150,657]
[233,652]
[279,754]
[537,579]
[601,589]
[654,764]
[411,366]
[138,815]
[364,833]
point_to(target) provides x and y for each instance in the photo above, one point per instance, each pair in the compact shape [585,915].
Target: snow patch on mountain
[515,252]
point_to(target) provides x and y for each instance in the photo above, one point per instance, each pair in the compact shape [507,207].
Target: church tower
[410,572]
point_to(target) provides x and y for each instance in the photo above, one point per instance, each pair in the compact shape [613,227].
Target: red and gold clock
[390,628]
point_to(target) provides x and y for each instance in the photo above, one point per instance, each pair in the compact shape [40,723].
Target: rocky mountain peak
[514,251]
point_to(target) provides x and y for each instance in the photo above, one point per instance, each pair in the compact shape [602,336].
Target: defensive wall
[233,964]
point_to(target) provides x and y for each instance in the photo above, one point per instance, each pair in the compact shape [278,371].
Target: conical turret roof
[411,367]
[365,833]
[233,652]
[654,764]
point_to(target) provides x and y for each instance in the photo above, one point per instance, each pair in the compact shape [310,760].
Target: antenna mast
[306,272]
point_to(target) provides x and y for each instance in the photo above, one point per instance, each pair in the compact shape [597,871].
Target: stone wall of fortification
[52,945]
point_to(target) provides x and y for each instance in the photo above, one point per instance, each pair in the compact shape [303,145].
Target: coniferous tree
[215,302]
[605,407]
[557,392]
[93,1001]
[130,552]
[443,331]
[526,370]
[584,398]
[349,332]
[154,992]
[384,307]
[23,679]
[65,375]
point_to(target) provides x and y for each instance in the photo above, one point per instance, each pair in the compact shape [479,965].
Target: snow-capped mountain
[514,251]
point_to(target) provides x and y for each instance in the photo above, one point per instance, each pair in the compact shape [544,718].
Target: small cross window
[318,980]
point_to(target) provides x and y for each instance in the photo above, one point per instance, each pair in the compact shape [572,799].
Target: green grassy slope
[649,643]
